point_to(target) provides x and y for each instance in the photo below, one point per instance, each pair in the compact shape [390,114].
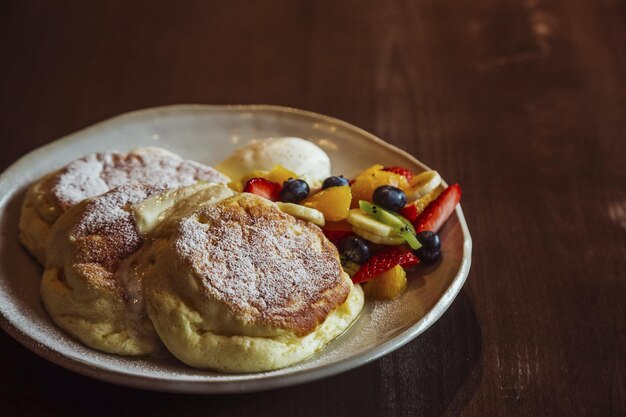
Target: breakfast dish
[209,134]
[97,173]
[249,277]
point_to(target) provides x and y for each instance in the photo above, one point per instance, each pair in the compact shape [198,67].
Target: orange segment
[421,204]
[280,174]
[334,202]
[370,170]
[370,179]
[387,285]
[236,186]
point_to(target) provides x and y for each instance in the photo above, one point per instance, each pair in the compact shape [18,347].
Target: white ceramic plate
[208,134]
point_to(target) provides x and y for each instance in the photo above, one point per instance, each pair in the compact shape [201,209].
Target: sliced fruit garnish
[438,211]
[367,181]
[384,260]
[301,212]
[392,240]
[280,174]
[335,236]
[263,188]
[236,186]
[423,184]
[412,210]
[407,173]
[257,173]
[334,202]
[401,225]
[359,219]
[387,285]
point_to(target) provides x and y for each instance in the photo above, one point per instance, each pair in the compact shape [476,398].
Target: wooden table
[522,102]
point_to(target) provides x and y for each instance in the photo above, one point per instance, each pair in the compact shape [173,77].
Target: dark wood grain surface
[523,102]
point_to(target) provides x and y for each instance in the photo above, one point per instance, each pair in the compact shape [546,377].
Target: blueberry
[389,197]
[354,249]
[334,182]
[294,191]
[431,246]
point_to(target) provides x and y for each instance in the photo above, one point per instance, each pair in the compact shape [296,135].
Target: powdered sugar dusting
[108,226]
[99,172]
[263,262]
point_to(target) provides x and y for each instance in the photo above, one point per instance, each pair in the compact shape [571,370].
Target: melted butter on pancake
[167,205]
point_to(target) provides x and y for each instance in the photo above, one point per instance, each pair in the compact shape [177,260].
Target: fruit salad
[383,221]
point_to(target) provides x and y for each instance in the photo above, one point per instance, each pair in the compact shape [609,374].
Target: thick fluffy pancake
[85,287]
[239,286]
[96,174]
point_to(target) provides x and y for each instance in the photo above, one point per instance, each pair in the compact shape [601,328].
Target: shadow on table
[435,374]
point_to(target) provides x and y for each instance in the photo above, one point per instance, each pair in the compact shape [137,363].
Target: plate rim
[163,384]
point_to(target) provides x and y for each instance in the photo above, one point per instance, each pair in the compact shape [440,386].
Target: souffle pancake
[94,174]
[240,286]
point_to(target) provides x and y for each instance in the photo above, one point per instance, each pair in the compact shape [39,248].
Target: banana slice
[358,218]
[383,240]
[401,225]
[423,184]
[304,213]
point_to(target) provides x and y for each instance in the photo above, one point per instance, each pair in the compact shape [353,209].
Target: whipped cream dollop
[304,158]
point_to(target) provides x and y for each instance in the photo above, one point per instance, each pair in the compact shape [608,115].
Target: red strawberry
[263,188]
[400,171]
[437,212]
[384,260]
[335,236]
[409,212]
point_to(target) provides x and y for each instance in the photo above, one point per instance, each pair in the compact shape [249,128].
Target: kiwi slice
[400,225]
[358,218]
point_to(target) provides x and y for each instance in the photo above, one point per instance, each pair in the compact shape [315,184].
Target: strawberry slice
[335,236]
[437,212]
[384,260]
[409,212]
[400,171]
[263,188]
